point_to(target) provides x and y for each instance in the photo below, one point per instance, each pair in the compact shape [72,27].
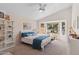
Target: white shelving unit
[6,34]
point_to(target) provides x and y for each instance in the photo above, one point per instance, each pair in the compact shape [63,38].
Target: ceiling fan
[42,7]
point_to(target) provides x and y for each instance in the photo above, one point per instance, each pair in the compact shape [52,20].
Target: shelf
[1,40]
[4,48]
[6,29]
[9,42]
[1,36]
[9,30]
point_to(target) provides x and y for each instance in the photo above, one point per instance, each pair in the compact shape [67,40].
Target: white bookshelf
[6,34]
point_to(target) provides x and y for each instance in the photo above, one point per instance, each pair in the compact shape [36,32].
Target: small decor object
[10,36]
[9,26]
[1,15]
[0,28]
[7,17]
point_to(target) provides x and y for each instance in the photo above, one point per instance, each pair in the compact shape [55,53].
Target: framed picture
[1,15]
[26,26]
[42,25]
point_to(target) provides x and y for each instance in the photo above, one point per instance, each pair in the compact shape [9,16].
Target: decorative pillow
[25,34]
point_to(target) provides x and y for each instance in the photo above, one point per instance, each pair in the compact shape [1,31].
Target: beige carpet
[56,47]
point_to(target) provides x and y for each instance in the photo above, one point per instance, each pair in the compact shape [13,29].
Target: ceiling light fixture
[42,7]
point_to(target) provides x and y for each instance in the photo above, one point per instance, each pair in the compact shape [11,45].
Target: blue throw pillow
[25,34]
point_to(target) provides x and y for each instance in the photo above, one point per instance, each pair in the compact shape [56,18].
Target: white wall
[74,44]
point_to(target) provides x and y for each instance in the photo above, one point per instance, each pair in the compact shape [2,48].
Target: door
[63,29]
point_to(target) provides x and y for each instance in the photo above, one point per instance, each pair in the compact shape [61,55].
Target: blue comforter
[37,42]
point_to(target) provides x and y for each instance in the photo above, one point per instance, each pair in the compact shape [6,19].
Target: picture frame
[26,26]
[42,25]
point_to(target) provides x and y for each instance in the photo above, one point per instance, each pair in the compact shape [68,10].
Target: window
[52,27]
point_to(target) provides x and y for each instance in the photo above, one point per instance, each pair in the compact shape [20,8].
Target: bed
[34,39]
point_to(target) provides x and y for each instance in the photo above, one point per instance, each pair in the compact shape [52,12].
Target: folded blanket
[37,42]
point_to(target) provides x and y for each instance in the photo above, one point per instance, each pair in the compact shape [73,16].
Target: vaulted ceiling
[30,10]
